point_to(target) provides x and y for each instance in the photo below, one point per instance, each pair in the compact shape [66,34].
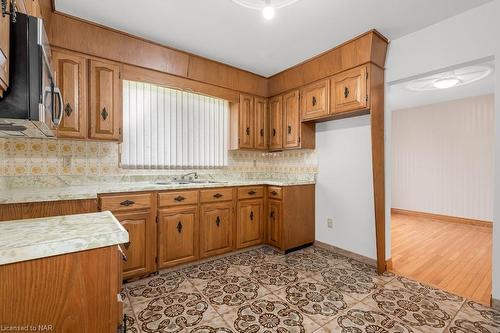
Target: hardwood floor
[454,257]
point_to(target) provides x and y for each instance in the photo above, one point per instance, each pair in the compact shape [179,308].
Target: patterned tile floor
[311,290]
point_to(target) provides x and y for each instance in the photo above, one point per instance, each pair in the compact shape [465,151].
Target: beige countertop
[29,239]
[91,191]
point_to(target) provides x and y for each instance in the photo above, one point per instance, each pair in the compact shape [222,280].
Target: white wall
[442,158]
[496,214]
[466,37]
[344,187]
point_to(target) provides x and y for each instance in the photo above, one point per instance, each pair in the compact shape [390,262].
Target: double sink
[188,181]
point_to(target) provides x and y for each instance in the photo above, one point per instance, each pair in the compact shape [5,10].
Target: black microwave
[29,106]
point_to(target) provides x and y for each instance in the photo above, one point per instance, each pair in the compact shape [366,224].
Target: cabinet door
[4,52]
[291,136]
[216,229]
[246,121]
[250,217]
[349,90]
[315,101]
[178,236]
[140,249]
[70,72]
[105,101]
[261,124]
[276,123]
[274,223]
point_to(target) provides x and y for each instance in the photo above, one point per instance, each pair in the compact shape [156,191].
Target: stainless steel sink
[187,182]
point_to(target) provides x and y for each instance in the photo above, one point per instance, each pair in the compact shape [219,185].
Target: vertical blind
[168,128]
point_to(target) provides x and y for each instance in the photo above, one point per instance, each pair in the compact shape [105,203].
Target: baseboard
[495,303]
[358,257]
[443,218]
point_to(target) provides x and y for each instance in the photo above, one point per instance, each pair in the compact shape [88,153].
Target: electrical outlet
[330,223]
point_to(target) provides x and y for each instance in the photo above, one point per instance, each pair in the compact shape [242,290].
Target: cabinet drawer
[217,195]
[126,202]
[178,198]
[250,192]
[274,192]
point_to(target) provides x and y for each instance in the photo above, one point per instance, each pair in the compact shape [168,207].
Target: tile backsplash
[37,157]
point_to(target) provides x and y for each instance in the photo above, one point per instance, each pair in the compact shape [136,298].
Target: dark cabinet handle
[127,203]
[218,195]
[248,130]
[251,216]
[289,129]
[217,221]
[104,114]
[179,198]
[274,193]
[68,110]
[314,101]
[179,227]
[346,92]
[272,215]
[274,131]
[261,132]
[252,192]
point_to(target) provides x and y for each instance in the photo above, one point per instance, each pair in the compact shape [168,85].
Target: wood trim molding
[443,218]
[135,73]
[388,264]
[376,85]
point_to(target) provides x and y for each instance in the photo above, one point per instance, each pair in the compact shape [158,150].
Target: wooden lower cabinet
[250,229]
[216,229]
[274,223]
[178,235]
[75,292]
[291,219]
[141,248]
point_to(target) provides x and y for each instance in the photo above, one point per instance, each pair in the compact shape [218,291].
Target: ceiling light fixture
[267,7]
[446,83]
[268,11]
[450,79]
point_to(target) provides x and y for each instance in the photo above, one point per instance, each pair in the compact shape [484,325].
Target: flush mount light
[455,78]
[268,7]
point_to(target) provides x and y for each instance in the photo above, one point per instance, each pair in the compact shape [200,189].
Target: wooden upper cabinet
[105,100]
[349,91]
[4,52]
[216,229]
[250,223]
[70,73]
[178,238]
[276,123]
[246,121]
[291,136]
[29,7]
[261,124]
[315,100]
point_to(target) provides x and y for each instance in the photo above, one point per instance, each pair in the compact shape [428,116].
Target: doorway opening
[442,135]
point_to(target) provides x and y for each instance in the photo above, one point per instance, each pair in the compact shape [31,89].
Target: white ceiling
[400,97]
[224,31]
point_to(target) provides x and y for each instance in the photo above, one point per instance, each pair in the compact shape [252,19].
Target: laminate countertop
[30,239]
[91,191]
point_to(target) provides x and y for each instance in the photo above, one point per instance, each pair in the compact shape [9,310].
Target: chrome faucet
[183,177]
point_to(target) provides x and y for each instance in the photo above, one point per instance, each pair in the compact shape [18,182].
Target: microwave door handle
[57,119]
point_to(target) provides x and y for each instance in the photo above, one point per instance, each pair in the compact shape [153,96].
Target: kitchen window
[167,128]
